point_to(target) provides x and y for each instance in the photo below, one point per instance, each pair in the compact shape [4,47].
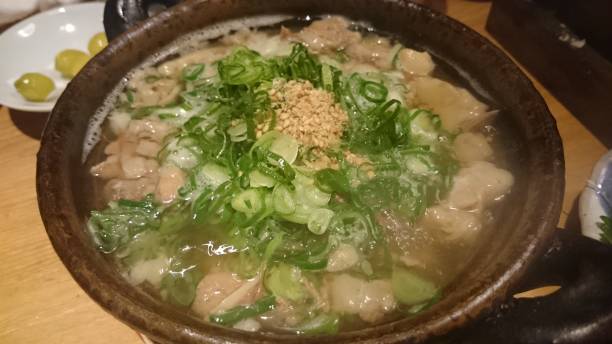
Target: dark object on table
[120,15]
[29,123]
[581,266]
[567,45]
[589,19]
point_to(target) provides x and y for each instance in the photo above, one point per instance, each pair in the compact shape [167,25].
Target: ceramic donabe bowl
[521,232]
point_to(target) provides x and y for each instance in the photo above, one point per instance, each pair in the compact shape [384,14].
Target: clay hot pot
[522,233]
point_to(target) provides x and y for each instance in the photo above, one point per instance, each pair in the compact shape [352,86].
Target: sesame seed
[308,114]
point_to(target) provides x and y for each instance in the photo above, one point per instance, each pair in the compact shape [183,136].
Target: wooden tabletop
[39,301]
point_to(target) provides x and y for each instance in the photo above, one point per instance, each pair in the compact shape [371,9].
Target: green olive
[97,43]
[34,87]
[70,61]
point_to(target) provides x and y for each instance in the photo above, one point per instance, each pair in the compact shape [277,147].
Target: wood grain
[39,301]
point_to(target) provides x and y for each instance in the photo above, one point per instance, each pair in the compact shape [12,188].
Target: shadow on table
[573,218]
[29,123]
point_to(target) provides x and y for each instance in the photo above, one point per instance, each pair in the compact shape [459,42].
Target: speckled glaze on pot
[523,230]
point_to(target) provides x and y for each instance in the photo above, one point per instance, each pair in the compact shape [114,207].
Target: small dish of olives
[40,54]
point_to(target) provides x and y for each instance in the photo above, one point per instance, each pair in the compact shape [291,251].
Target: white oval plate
[31,46]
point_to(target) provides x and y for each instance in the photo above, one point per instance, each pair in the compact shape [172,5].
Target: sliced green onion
[300,215]
[394,53]
[327,77]
[116,225]
[238,133]
[410,288]
[272,246]
[352,225]
[390,110]
[314,197]
[330,180]
[232,72]
[325,323]
[234,315]
[175,218]
[266,139]
[210,201]
[342,57]
[373,91]
[284,281]
[167,116]
[258,179]
[313,258]
[319,220]
[129,95]
[422,127]
[249,201]
[149,79]
[192,123]
[192,72]
[308,193]
[180,287]
[283,200]
[213,175]
[286,147]
[423,306]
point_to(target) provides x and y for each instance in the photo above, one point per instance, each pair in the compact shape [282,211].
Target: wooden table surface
[39,301]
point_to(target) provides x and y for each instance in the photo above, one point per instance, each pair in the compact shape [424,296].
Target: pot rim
[167,325]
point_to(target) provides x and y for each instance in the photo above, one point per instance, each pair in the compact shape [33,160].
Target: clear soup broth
[311,177]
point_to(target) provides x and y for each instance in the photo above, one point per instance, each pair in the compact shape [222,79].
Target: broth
[327,180]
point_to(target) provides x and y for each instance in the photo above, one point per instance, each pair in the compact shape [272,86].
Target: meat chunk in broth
[479,185]
[113,148]
[154,93]
[124,162]
[109,168]
[149,129]
[148,148]
[118,122]
[131,168]
[248,324]
[135,166]
[415,63]
[285,314]
[260,42]
[452,223]
[457,108]
[220,291]
[373,50]
[371,300]
[150,270]
[326,35]
[342,258]
[134,189]
[213,289]
[171,178]
[470,147]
